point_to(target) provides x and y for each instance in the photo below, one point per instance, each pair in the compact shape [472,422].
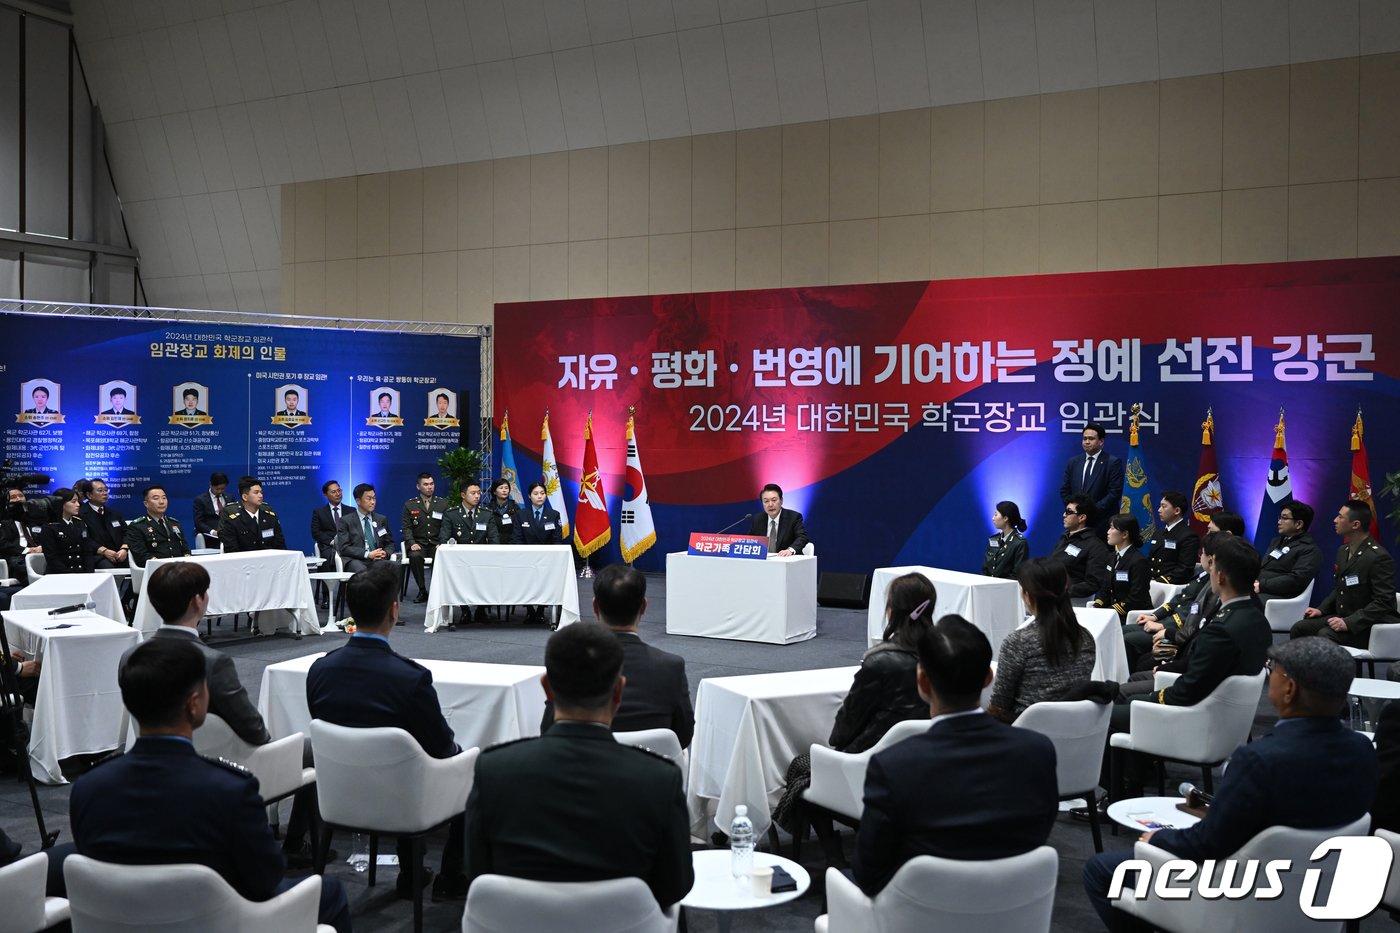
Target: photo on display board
[442,409]
[116,400]
[191,404]
[293,402]
[39,403]
[384,408]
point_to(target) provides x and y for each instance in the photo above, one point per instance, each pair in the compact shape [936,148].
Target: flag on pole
[552,488]
[638,530]
[1208,497]
[1137,491]
[1361,474]
[508,460]
[591,515]
[1277,490]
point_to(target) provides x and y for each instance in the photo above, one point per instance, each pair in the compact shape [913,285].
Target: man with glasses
[1084,555]
[1292,559]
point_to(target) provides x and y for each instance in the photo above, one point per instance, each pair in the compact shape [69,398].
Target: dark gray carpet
[840,641]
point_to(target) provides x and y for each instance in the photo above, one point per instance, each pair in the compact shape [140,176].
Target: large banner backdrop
[896,416]
[143,401]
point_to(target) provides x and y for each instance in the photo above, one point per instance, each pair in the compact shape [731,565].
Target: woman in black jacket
[1006,550]
[1128,585]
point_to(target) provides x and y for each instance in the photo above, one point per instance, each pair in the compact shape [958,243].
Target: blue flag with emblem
[508,461]
[1138,500]
[1278,489]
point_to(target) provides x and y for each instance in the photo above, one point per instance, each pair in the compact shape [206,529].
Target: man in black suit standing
[364,537]
[970,787]
[209,506]
[1097,474]
[105,525]
[366,685]
[537,809]
[251,526]
[1293,558]
[782,527]
[658,693]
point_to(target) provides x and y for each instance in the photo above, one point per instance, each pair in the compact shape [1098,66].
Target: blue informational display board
[138,401]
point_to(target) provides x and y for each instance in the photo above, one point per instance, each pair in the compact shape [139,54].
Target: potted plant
[459,466]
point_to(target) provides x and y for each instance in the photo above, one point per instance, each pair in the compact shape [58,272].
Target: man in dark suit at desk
[658,693]
[251,526]
[970,787]
[209,507]
[366,685]
[1097,474]
[574,805]
[782,527]
[364,536]
[163,804]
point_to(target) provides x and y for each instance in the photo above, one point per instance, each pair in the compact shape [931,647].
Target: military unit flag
[1278,489]
[1208,497]
[1361,474]
[1137,489]
[591,516]
[552,489]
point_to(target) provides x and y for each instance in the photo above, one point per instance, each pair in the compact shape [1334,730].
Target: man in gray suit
[363,536]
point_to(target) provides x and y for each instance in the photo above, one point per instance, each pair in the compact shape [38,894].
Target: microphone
[76,607]
[746,518]
[1195,798]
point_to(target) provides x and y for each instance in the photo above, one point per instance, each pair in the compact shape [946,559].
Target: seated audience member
[1232,523]
[22,677]
[251,525]
[325,523]
[885,690]
[162,804]
[572,804]
[1175,547]
[1041,660]
[155,534]
[783,528]
[366,685]
[504,508]
[67,546]
[1363,594]
[470,521]
[658,693]
[209,507]
[179,593]
[1127,580]
[1385,810]
[18,536]
[105,525]
[1006,550]
[1082,553]
[537,523]
[1310,772]
[421,527]
[1292,559]
[1166,634]
[364,538]
[970,787]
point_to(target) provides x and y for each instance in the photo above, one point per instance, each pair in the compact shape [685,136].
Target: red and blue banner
[895,416]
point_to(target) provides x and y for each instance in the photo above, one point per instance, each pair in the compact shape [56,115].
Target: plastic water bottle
[741,843]
[359,852]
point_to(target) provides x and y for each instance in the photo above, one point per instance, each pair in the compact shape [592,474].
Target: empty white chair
[1282,613]
[1008,895]
[498,904]
[1078,730]
[661,741]
[1384,645]
[1161,593]
[809,549]
[381,781]
[35,565]
[838,778]
[109,898]
[26,908]
[1244,915]
[333,579]
[277,765]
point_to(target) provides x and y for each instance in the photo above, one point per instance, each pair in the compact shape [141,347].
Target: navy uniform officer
[250,526]
[155,534]
[1175,547]
[537,523]
[422,524]
[68,548]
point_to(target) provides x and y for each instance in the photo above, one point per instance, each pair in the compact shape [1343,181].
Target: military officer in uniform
[1006,550]
[1083,554]
[1175,546]
[1364,592]
[1176,622]
[68,548]
[470,523]
[250,526]
[106,526]
[1293,559]
[422,525]
[154,534]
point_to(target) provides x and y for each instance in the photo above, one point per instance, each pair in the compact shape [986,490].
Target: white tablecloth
[65,589]
[747,731]
[78,710]
[247,581]
[502,575]
[773,600]
[991,604]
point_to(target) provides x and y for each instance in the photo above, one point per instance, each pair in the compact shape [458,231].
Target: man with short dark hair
[1177,622]
[367,685]
[970,787]
[422,524]
[105,525]
[1293,559]
[191,399]
[209,506]
[658,693]
[20,533]
[1363,593]
[1175,547]
[162,804]
[291,405]
[1310,772]
[1084,555]
[251,526]
[1097,474]
[363,535]
[155,534]
[783,528]
[572,804]
[117,399]
[469,522]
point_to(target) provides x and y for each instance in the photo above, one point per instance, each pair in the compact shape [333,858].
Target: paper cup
[762,878]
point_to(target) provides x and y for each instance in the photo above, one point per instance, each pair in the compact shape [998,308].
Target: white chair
[1282,613]
[1078,730]
[381,781]
[1390,900]
[1279,914]
[108,898]
[1008,895]
[27,910]
[498,904]
[1204,735]
[661,741]
[35,565]
[277,765]
[403,567]
[1161,592]
[333,579]
[809,549]
[1384,645]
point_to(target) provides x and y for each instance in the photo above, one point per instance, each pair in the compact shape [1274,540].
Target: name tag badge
[994,540]
[1276,553]
[505,519]
[1353,580]
[1121,576]
[267,532]
[480,526]
[549,526]
[1171,545]
[437,516]
[1195,608]
[1072,550]
[116,523]
[383,532]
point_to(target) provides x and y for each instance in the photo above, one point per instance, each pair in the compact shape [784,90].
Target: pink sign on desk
[704,544]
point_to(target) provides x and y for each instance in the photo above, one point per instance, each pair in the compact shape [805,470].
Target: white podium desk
[773,600]
[991,604]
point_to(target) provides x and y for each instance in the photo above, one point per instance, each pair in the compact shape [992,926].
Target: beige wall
[1286,163]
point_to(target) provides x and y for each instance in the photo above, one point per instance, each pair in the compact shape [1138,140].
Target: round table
[1374,688]
[1136,812]
[718,890]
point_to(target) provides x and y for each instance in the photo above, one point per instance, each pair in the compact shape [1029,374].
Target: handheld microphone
[76,607]
[1195,798]
[746,518]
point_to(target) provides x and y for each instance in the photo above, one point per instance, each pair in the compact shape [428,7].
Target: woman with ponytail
[1006,550]
[1042,659]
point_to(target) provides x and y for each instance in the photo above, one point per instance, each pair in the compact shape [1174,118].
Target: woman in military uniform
[1127,588]
[67,546]
[1006,550]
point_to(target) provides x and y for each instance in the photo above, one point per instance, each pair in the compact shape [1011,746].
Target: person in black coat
[1385,810]
[537,523]
[1174,548]
[971,787]
[106,527]
[1095,473]
[251,526]
[1292,559]
[68,548]
[366,685]
[504,508]
[1126,587]
[574,805]
[1006,550]
[209,507]
[789,536]
[325,520]
[162,804]
[358,551]
[1084,555]
[658,693]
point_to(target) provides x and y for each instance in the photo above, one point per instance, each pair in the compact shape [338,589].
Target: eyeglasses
[1071,512]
